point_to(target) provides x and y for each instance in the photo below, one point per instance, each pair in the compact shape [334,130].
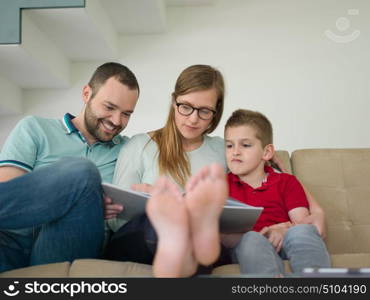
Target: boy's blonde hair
[258,121]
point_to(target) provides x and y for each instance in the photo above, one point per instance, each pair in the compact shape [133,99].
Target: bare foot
[206,193]
[167,212]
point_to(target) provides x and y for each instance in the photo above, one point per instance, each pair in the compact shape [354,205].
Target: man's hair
[258,121]
[112,69]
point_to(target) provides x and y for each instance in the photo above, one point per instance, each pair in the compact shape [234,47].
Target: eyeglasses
[187,110]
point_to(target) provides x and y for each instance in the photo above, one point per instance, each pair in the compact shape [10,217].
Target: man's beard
[92,124]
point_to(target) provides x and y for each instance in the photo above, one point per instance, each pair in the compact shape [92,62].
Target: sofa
[337,178]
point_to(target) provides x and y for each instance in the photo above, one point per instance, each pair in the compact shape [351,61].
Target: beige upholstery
[50,270]
[106,268]
[338,179]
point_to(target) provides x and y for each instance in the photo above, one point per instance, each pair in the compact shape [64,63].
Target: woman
[178,150]
[196,110]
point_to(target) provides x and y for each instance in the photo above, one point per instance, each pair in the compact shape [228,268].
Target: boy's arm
[298,215]
[317,215]
[275,233]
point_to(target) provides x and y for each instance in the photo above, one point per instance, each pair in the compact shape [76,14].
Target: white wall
[275,57]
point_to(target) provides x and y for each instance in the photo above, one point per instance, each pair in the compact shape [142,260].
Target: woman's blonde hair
[172,159]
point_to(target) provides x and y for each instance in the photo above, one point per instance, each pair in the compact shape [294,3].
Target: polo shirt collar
[68,124]
[271,178]
[71,128]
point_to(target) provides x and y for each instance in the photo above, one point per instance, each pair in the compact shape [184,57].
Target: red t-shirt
[280,193]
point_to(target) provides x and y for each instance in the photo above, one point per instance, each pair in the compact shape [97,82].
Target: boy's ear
[86,93]
[268,152]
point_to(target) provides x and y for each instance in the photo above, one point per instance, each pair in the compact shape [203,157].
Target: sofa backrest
[339,181]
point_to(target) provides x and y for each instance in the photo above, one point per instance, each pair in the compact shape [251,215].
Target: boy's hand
[275,234]
[275,237]
[111,210]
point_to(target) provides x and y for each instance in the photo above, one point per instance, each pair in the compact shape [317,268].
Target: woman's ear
[268,152]
[86,93]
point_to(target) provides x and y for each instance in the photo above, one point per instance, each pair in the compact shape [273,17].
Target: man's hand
[142,187]
[111,210]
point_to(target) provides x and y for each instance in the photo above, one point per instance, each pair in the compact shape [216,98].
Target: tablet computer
[133,202]
[236,216]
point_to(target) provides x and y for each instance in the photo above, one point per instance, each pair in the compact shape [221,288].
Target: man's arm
[19,152]
[8,173]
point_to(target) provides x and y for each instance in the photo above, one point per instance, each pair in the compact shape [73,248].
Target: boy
[248,140]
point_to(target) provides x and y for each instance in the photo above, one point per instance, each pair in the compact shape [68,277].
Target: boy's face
[244,152]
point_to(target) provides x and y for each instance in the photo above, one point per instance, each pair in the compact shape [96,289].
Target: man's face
[108,113]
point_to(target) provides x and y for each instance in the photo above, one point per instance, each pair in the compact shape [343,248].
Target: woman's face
[192,126]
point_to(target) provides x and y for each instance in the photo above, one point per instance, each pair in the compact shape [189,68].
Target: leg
[305,248]
[15,248]
[167,211]
[135,241]
[64,200]
[206,193]
[256,255]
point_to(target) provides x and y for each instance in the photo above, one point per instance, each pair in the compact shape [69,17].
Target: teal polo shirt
[37,142]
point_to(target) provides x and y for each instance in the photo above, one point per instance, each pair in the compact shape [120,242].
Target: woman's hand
[317,215]
[318,220]
[142,187]
[276,162]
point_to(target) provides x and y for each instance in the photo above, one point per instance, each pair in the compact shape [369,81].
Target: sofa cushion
[351,260]
[339,180]
[108,268]
[234,270]
[49,270]
[347,260]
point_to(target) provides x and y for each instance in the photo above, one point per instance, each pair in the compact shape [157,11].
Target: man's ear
[86,93]
[268,152]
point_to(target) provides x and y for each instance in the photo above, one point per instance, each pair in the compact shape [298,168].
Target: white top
[138,162]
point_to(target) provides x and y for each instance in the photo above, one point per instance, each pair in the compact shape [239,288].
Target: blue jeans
[53,214]
[302,246]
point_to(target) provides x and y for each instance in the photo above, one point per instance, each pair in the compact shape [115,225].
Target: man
[51,209]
